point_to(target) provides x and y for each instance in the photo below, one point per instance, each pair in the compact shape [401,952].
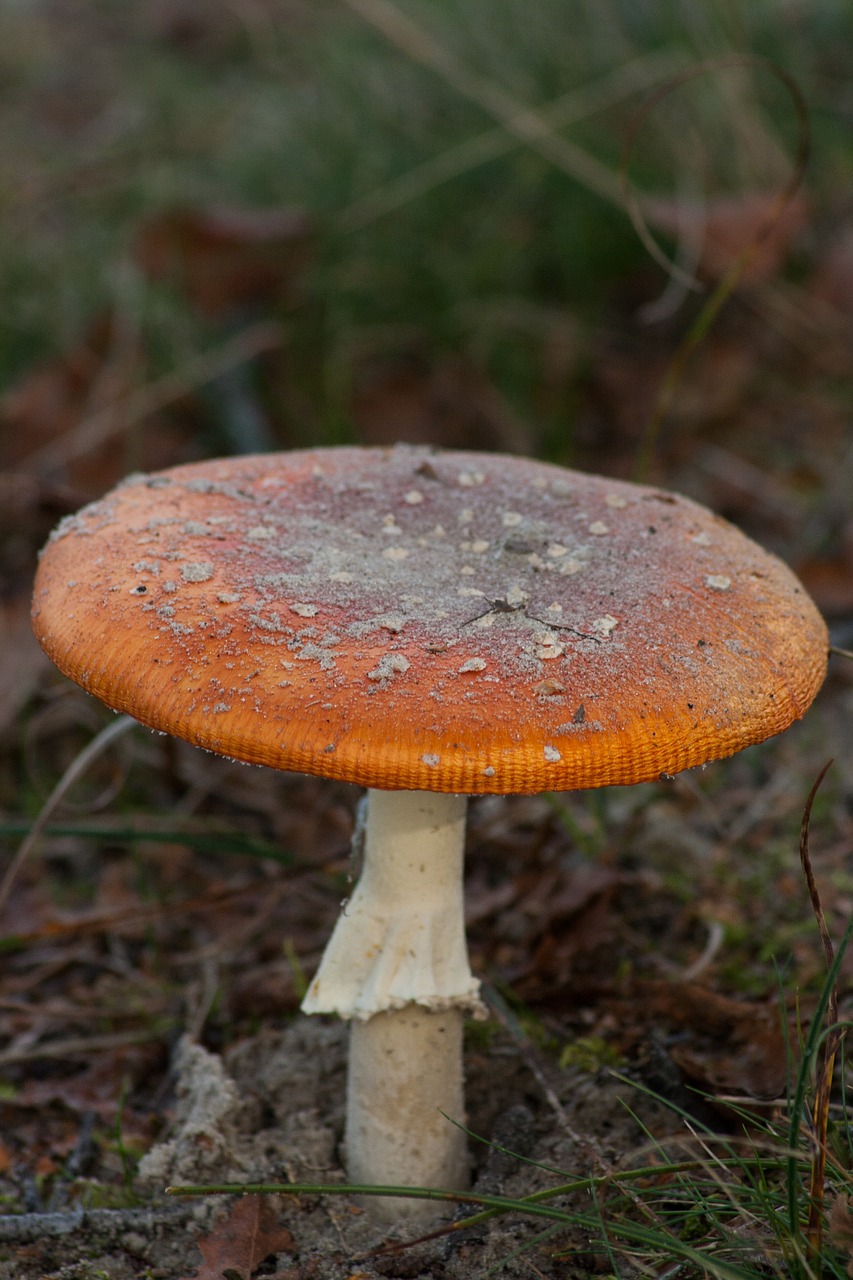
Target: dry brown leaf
[840,1225]
[52,399]
[832,282]
[736,1046]
[98,1087]
[829,578]
[225,258]
[23,661]
[239,1244]
[727,225]
[408,397]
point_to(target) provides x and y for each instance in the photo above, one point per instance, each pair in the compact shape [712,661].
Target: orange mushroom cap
[407,619]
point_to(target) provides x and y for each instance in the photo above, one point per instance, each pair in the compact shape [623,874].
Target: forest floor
[650,955]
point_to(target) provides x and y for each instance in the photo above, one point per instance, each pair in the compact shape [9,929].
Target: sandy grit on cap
[455,622]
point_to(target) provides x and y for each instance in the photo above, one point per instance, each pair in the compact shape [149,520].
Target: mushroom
[430,625]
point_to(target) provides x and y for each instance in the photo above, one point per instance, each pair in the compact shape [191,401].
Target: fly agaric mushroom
[429,625]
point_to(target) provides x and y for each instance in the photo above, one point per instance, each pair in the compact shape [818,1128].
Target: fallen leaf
[840,1227]
[832,282]
[733,1046]
[241,1242]
[828,578]
[99,1087]
[227,258]
[49,407]
[23,660]
[724,226]
[406,396]
[53,398]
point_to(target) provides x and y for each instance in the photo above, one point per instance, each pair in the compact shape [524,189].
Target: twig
[80,1046]
[139,405]
[523,122]
[494,143]
[716,933]
[75,770]
[696,333]
[23,1228]
[502,1012]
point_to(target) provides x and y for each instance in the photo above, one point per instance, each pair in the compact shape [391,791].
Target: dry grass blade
[697,331]
[820,1110]
[86,1047]
[782,200]
[74,771]
[598,95]
[523,122]
[141,404]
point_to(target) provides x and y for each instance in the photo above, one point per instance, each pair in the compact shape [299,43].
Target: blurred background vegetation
[177,171]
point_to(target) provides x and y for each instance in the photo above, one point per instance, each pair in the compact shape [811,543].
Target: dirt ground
[272,1111]
[648,969]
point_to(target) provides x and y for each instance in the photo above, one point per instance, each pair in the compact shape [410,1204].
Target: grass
[734,1207]
[437,223]
[770,1195]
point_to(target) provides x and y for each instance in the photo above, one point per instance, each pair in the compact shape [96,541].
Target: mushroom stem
[405,1080]
[401,935]
[397,964]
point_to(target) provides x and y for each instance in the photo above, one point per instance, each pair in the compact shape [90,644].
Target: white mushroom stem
[397,965]
[405,1080]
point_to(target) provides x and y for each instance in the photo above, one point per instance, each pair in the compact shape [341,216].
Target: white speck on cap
[201,571]
[431,760]
[389,665]
[549,688]
[718,582]
[599,528]
[552,755]
[473,664]
[395,553]
[304,610]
